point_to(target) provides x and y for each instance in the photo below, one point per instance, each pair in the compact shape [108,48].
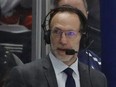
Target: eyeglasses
[68,34]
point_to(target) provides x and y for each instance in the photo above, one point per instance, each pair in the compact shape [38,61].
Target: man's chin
[61,52]
[63,57]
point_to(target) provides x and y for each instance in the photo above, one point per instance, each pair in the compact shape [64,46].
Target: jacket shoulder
[96,77]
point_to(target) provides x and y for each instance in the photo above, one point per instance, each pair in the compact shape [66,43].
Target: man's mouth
[61,49]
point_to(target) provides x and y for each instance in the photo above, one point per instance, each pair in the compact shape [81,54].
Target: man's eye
[57,31]
[71,33]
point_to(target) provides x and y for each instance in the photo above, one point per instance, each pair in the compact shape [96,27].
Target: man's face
[65,35]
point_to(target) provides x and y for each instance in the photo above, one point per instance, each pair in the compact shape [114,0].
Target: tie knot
[68,71]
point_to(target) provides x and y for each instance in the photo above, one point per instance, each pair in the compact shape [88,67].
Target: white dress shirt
[59,67]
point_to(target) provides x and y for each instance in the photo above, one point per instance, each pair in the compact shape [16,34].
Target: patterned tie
[70,80]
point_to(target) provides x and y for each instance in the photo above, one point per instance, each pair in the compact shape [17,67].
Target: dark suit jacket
[40,73]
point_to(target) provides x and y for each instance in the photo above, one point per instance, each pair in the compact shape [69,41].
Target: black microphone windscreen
[70,52]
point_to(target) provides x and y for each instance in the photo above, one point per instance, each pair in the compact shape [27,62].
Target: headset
[66,8]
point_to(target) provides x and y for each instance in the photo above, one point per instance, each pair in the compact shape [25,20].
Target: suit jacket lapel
[84,76]
[51,78]
[49,72]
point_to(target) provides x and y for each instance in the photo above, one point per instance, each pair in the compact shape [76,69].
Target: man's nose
[63,39]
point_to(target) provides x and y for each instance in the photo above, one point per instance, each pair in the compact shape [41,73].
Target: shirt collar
[59,66]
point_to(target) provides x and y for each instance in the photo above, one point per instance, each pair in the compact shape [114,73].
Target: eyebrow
[57,28]
[64,30]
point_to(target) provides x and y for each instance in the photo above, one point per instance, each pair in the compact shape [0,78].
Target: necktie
[70,80]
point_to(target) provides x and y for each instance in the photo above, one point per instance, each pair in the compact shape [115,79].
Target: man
[94,52]
[66,29]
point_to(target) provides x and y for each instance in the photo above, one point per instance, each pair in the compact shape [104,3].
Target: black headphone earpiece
[47,36]
[46,31]
[84,42]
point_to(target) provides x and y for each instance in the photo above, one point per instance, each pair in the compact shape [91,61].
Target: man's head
[66,28]
[79,4]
